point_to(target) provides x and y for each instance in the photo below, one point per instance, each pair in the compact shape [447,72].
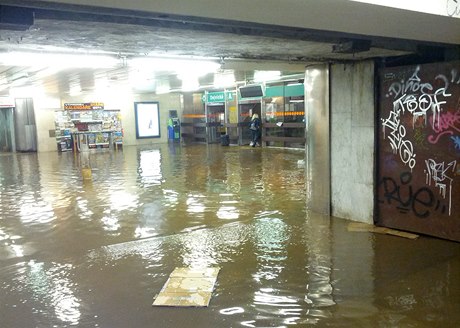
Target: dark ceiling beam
[59,11]
[15,18]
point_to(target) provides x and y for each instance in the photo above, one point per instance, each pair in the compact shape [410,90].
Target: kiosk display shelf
[87,123]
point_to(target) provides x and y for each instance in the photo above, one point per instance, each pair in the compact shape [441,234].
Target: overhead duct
[16,18]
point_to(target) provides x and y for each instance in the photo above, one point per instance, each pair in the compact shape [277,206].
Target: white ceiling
[238,47]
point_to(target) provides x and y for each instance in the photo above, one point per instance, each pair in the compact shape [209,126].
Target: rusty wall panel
[418,167]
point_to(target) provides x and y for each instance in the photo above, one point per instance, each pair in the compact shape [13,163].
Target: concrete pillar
[352,140]
[317,139]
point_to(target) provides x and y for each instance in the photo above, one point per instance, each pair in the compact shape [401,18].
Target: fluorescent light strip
[180,66]
[57,60]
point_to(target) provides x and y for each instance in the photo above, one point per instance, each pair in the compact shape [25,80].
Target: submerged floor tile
[188,287]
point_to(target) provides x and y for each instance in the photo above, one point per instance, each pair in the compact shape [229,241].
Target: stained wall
[352,140]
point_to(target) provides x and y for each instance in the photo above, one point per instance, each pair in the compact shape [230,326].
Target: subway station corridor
[94,253]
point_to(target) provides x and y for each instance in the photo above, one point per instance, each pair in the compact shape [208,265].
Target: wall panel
[419,149]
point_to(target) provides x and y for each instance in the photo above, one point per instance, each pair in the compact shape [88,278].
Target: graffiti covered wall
[419,149]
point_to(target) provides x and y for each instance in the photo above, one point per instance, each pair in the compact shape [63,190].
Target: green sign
[218,97]
[285,91]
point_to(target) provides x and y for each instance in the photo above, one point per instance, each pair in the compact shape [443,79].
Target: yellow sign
[83,106]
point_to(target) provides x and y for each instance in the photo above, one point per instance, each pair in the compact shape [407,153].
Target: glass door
[215,122]
[247,109]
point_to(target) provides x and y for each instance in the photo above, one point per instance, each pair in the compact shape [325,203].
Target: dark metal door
[419,149]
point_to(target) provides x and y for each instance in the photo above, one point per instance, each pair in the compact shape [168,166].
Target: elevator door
[6,130]
[24,125]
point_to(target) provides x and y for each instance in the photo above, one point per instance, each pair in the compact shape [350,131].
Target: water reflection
[150,167]
[94,253]
[47,291]
[271,236]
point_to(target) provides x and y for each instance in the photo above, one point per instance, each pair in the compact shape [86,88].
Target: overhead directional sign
[218,97]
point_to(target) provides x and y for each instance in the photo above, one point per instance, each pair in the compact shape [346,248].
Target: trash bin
[225,140]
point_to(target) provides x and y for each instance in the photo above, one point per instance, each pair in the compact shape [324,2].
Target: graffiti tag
[397,142]
[422,100]
[406,199]
[456,140]
[448,123]
[418,98]
[437,173]
[453,8]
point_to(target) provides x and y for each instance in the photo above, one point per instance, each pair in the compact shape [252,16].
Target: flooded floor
[94,253]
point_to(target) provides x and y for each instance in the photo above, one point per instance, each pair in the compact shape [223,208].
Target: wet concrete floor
[95,253]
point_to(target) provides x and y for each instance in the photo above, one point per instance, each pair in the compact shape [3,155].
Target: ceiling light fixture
[189,83]
[223,80]
[264,76]
[162,87]
[180,66]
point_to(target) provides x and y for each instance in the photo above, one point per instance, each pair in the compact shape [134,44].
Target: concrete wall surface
[352,141]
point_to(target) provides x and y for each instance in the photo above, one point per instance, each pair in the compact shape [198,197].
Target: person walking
[254,126]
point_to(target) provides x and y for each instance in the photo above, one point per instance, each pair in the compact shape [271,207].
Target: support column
[318,172]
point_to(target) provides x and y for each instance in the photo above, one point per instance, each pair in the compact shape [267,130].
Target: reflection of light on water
[171,198]
[267,296]
[228,212]
[150,167]
[194,204]
[144,232]
[229,202]
[286,306]
[233,310]
[121,200]
[152,214]
[319,290]
[150,249]
[207,247]
[33,211]
[18,250]
[198,251]
[271,235]
[3,235]
[226,195]
[53,288]
[110,223]
[82,204]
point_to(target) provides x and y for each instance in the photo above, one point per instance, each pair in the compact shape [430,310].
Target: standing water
[94,252]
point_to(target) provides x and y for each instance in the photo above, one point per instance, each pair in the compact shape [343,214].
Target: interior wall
[167,102]
[124,101]
[352,141]
[45,107]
